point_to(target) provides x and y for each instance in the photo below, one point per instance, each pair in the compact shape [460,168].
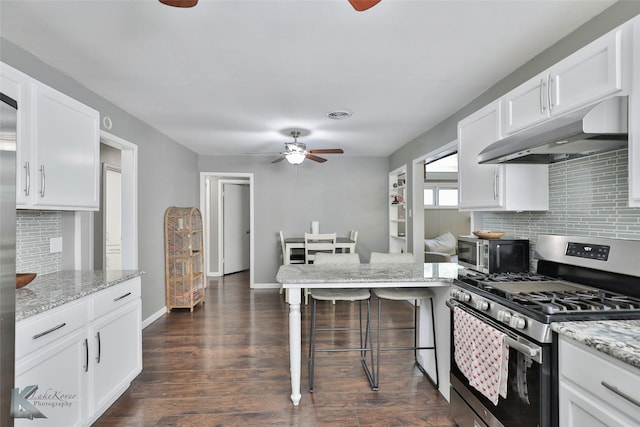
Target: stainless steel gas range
[577,278]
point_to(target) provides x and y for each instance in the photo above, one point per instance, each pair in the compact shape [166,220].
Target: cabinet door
[16,85]
[526,105]
[67,157]
[579,409]
[59,372]
[479,185]
[588,75]
[116,355]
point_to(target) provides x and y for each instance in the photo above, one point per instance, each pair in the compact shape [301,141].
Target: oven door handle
[514,341]
[534,353]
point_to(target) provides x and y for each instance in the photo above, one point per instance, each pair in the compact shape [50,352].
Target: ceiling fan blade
[362,5]
[279,159]
[315,158]
[327,151]
[180,3]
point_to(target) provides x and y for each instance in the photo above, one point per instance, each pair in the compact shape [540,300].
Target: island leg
[293,296]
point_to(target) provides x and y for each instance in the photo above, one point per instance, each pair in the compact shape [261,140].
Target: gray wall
[167,171]
[446,131]
[342,194]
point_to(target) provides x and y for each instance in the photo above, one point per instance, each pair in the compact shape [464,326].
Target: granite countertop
[309,274]
[51,290]
[619,339]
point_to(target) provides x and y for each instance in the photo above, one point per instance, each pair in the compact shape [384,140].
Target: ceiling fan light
[295,158]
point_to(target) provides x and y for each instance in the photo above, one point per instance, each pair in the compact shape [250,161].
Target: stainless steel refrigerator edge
[8,119]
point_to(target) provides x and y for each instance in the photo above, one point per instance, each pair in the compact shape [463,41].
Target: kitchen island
[295,277]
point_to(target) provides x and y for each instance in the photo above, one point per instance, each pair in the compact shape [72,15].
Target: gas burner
[516,277]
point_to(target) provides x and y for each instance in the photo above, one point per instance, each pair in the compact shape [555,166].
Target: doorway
[236,228]
[212,206]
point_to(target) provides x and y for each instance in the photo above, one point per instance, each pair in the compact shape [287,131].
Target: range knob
[482,305]
[517,322]
[464,297]
[504,316]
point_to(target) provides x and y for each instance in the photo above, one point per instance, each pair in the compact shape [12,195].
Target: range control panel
[582,250]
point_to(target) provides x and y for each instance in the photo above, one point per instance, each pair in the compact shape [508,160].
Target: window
[441,182]
[441,195]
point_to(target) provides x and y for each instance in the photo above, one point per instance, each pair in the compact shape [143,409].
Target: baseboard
[155,316]
[266,286]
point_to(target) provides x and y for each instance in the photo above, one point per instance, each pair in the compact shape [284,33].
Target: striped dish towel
[482,355]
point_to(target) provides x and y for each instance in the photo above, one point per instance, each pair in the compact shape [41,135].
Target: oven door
[528,401]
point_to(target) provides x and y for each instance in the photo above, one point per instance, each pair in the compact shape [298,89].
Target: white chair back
[326,258]
[395,258]
[314,243]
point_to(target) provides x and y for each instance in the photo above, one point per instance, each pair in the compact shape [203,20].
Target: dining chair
[339,294]
[403,294]
[353,235]
[296,256]
[315,243]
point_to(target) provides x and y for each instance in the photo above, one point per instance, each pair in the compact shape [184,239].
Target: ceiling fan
[295,152]
[359,5]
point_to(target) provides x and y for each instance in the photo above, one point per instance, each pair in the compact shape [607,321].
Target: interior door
[236,225]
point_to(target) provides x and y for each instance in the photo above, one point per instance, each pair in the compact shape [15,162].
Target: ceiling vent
[339,115]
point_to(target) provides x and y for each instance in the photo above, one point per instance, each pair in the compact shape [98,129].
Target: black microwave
[494,256]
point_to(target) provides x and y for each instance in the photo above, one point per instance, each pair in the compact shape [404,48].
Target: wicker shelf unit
[184,264]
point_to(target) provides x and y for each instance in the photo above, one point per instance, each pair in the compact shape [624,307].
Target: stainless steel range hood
[593,130]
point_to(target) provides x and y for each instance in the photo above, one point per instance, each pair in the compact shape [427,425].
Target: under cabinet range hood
[593,130]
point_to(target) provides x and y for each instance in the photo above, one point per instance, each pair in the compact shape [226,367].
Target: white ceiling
[234,76]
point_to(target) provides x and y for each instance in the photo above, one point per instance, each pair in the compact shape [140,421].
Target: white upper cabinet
[58,149]
[67,152]
[588,75]
[493,187]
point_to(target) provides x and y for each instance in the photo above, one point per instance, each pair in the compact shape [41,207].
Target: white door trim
[129,167]
[239,177]
[418,191]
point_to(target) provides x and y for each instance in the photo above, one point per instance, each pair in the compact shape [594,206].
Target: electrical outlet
[55,245]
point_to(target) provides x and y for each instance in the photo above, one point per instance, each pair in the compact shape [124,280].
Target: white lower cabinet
[595,389]
[59,373]
[117,356]
[81,356]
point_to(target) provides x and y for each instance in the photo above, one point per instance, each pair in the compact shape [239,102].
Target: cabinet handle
[550,93]
[620,393]
[27,180]
[542,106]
[121,297]
[42,181]
[86,355]
[99,348]
[495,186]
[48,331]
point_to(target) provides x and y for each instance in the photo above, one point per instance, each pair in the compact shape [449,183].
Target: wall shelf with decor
[184,274]
[398,210]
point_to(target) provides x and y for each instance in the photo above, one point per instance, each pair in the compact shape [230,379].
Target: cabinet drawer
[591,371]
[117,296]
[47,327]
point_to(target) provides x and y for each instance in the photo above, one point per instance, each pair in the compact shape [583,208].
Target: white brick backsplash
[587,197]
[34,229]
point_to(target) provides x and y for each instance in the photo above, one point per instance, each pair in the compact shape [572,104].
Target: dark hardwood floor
[227,364]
